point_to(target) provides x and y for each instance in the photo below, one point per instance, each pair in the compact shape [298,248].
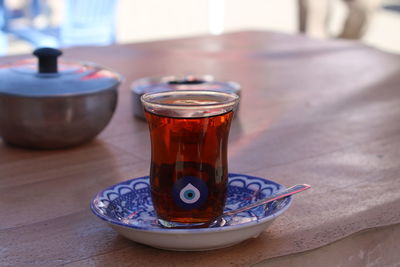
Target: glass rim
[148,99]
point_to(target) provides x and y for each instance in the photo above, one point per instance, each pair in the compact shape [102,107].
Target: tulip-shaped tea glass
[189,137]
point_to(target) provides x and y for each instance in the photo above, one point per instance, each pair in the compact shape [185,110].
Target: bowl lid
[46,76]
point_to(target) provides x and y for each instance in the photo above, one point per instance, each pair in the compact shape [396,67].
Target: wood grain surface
[326,113]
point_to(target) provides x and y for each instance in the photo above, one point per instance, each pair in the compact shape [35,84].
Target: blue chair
[85,22]
[88,22]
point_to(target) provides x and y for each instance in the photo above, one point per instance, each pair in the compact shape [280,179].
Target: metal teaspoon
[220,221]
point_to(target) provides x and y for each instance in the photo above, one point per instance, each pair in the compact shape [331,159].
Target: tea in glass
[189,137]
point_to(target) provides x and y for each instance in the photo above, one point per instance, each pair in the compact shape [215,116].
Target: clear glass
[189,136]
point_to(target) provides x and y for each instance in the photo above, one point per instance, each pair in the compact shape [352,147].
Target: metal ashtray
[169,83]
[48,104]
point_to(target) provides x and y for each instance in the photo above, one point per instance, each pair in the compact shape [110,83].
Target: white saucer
[127,207]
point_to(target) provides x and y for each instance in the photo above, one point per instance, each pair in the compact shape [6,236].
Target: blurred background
[27,24]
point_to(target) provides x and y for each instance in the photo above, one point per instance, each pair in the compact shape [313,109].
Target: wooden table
[325,113]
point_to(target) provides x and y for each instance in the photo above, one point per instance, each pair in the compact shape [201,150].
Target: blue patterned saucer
[128,208]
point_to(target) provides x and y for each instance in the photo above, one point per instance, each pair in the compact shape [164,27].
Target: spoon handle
[282,194]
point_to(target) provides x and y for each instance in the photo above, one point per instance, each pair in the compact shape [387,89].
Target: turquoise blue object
[3,37]
[88,22]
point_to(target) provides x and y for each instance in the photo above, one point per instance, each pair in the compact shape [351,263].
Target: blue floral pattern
[129,203]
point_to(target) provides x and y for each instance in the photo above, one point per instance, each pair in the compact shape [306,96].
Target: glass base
[178,225]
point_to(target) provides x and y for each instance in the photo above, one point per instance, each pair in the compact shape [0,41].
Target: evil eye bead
[189,192]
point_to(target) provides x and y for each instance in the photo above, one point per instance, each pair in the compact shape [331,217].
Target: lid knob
[186,81]
[47,59]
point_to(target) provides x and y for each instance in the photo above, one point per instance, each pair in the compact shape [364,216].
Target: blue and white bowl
[128,208]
